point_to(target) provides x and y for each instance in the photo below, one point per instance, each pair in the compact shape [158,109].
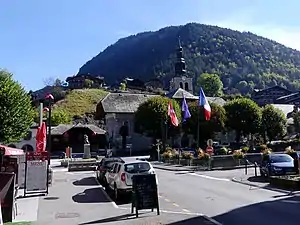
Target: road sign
[209,142]
[209,150]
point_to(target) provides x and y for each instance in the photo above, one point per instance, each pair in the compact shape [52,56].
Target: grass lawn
[18,223]
[81,101]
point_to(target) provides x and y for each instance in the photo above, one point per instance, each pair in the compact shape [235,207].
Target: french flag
[203,102]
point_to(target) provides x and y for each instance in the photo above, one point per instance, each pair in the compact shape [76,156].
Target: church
[118,108]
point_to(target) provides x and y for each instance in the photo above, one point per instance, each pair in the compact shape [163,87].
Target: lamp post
[49,98]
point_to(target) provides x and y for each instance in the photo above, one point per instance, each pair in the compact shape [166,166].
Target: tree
[88,83]
[151,115]
[211,84]
[16,111]
[60,117]
[273,122]
[296,118]
[243,116]
[123,86]
[207,129]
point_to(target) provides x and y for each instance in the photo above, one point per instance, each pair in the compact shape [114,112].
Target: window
[186,86]
[181,85]
[115,168]
[137,167]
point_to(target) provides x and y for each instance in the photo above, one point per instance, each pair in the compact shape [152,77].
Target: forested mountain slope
[241,59]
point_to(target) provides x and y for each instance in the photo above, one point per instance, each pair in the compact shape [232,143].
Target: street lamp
[50,99]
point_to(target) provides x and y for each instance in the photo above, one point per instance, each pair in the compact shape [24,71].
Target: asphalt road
[76,198]
[215,195]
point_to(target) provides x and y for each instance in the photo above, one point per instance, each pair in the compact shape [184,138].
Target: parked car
[276,165]
[104,165]
[119,177]
[58,155]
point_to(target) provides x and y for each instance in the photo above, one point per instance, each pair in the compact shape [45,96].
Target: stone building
[85,81]
[117,109]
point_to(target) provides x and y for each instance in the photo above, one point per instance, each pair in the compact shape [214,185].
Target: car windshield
[280,158]
[137,167]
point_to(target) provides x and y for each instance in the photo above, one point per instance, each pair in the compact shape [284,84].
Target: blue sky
[54,38]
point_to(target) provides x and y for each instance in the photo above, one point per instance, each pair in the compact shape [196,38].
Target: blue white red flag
[203,102]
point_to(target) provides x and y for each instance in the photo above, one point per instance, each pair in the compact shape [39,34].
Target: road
[225,201]
[76,198]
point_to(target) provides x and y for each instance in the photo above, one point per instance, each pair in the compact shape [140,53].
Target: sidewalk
[257,182]
[172,167]
[180,168]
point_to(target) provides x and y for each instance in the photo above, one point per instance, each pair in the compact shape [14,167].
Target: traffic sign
[209,142]
[209,150]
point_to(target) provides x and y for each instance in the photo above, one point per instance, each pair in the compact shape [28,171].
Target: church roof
[179,93]
[124,102]
[62,128]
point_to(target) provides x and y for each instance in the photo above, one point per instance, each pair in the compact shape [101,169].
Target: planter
[185,162]
[287,183]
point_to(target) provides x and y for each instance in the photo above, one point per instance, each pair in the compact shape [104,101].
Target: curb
[175,170]
[266,188]
[213,221]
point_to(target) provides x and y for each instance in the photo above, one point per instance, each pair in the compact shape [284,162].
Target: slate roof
[285,108]
[62,128]
[124,102]
[179,93]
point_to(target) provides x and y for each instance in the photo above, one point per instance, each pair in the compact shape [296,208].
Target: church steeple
[180,62]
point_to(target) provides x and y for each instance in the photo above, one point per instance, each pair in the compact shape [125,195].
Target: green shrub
[245,149]
[223,151]
[238,154]
[187,155]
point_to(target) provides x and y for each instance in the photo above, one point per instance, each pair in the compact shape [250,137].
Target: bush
[203,155]
[245,149]
[223,151]
[167,155]
[175,154]
[289,150]
[238,154]
[187,155]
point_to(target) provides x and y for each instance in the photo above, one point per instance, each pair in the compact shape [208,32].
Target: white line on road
[170,212]
[167,200]
[106,195]
[185,210]
[175,204]
[209,177]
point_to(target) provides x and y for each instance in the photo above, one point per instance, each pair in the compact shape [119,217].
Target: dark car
[58,155]
[277,164]
[104,165]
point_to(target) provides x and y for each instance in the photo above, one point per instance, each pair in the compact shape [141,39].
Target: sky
[44,40]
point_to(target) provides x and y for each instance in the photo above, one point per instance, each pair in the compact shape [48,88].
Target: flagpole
[198,127]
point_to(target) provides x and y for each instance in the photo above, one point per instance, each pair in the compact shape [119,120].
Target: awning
[12,151]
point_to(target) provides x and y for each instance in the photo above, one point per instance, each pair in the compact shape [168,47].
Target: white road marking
[107,196]
[185,210]
[209,177]
[170,212]
[175,204]
[167,200]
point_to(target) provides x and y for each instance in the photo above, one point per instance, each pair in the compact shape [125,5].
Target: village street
[76,198]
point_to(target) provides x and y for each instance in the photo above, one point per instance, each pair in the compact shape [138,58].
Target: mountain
[243,60]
